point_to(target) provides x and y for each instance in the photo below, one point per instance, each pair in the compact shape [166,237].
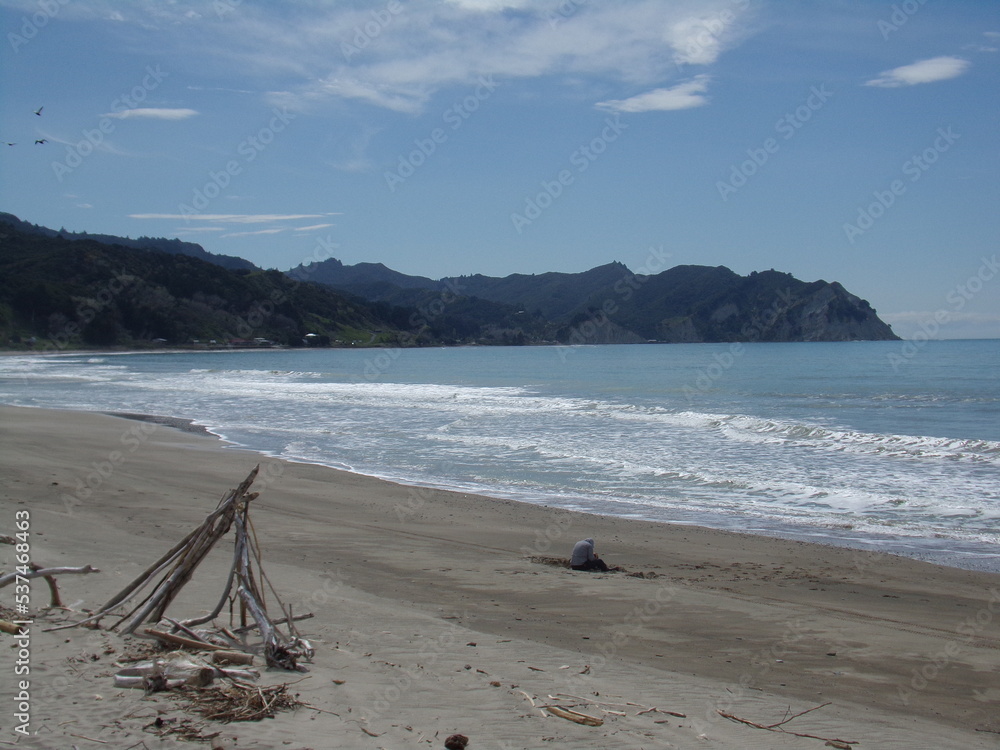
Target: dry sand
[431,618]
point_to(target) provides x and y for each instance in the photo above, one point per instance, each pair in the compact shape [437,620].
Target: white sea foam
[793,458]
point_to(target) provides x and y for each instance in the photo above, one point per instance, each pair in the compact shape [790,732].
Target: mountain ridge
[162,244]
[686,303]
[180,293]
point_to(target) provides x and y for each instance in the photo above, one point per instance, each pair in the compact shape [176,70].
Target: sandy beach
[434,615]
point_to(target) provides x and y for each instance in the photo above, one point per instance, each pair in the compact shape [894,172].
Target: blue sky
[849,141]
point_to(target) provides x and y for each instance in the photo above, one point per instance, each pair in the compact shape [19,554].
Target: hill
[62,293]
[162,244]
[74,289]
[611,304]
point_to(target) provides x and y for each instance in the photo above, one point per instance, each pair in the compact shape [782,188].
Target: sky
[849,141]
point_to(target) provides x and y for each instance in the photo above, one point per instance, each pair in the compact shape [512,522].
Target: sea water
[883,446]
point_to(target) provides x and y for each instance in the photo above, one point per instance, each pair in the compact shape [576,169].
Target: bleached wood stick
[129,681]
[45,572]
[178,640]
[222,600]
[263,621]
[231,657]
[151,571]
[168,589]
[282,621]
[185,629]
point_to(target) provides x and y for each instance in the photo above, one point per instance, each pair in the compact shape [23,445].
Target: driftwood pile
[165,578]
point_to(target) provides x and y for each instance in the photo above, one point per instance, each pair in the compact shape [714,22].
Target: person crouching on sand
[584,557]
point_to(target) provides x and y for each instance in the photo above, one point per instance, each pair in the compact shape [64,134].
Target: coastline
[402,578]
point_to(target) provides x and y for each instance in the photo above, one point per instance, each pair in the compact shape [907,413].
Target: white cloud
[367,53]
[490,5]
[922,71]
[251,234]
[312,227]
[152,113]
[682,96]
[233,218]
[399,60]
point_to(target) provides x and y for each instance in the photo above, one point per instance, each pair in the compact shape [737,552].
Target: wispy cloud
[152,113]
[328,52]
[251,234]
[922,71]
[682,96]
[234,218]
[312,228]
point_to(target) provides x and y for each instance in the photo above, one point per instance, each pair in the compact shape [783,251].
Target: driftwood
[240,702]
[168,575]
[231,657]
[282,621]
[566,713]
[175,670]
[777,727]
[49,575]
[179,640]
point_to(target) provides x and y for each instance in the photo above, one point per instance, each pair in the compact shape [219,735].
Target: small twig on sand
[91,739]
[778,726]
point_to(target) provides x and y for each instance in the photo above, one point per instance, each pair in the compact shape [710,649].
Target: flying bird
[40,140]
[9,143]
[39,111]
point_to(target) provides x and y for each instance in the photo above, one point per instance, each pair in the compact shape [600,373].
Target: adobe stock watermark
[433,646]
[914,168]
[132,439]
[249,149]
[786,127]
[901,13]
[585,332]
[565,9]
[957,298]
[262,310]
[421,320]
[88,309]
[969,629]
[366,33]
[93,138]
[581,159]
[704,42]
[630,627]
[760,665]
[31,25]
[454,117]
[225,7]
[417,497]
[753,331]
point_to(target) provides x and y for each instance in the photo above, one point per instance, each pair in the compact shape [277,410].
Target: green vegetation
[59,292]
[68,294]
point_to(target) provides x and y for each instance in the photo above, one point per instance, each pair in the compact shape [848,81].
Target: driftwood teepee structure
[174,569]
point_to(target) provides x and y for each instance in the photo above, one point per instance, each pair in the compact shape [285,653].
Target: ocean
[881,446]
